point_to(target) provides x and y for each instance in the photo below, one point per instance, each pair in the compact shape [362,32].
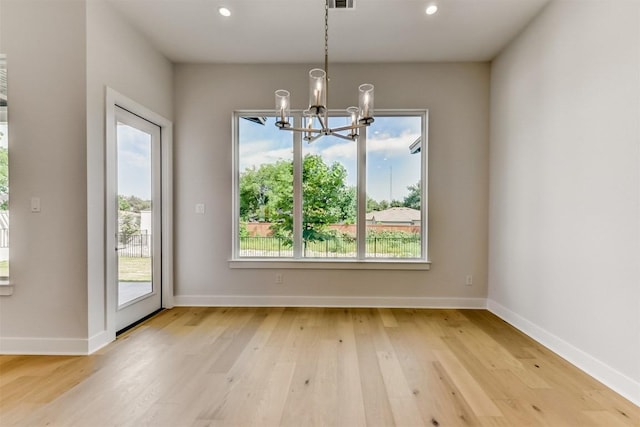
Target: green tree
[323,193]
[372,205]
[412,200]
[348,201]
[266,190]
[266,195]
[133,204]
[128,226]
[123,204]
[137,204]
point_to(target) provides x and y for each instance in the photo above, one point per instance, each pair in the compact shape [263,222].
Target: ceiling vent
[342,4]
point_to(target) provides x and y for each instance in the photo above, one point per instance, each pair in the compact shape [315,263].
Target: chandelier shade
[365,102]
[317,90]
[283,108]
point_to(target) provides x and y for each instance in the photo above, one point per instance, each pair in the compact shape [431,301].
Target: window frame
[360,261]
[6,288]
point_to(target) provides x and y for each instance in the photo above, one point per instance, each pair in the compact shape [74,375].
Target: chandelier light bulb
[282,106]
[431,9]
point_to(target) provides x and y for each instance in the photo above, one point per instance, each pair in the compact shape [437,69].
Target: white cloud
[259,152]
[133,160]
[134,148]
[343,151]
[391,146]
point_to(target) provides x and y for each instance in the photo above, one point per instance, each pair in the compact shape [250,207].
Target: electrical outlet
[279,278]
[469,280]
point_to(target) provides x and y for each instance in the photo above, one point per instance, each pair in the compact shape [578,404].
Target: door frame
[115,99]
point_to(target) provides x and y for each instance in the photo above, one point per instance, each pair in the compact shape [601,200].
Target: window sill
[6,288]
[321,264]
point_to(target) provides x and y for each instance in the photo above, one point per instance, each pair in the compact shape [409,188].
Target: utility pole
[390,184]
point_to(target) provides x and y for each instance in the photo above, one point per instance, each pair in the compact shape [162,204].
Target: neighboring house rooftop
[395,215]
[416,146]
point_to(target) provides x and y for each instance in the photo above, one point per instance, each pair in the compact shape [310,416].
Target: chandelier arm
[307,130]
[350,127]
[309,141]
[348,138]
[323,120]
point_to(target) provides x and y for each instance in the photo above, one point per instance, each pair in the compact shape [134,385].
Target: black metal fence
[265,246]
[134,245]
[376,247]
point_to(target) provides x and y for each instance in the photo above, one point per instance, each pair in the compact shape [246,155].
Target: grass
[134,269]
[129,269]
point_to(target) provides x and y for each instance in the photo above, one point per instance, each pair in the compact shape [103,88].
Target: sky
[390,166]
[134,162]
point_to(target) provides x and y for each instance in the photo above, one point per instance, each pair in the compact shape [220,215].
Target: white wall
[61,55]
[457,96]
[45,46]
[564,261]
[120,58]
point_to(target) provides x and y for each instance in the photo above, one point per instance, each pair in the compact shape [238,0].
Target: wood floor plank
[472,392]
[208,366]
[388,319]
[403,406]
[432,392]
[299,406]
[270,408]
[453,407]
[351,409]
[374,395]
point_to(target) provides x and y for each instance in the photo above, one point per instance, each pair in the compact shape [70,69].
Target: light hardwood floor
[307,367]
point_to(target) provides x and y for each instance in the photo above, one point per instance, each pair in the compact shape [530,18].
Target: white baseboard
[55,346]
[98,341]
[44,346]
[325,301]
[602,372]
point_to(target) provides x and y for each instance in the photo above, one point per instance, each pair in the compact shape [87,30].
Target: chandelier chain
[326,46]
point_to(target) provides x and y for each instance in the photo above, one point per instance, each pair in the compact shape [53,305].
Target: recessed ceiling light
[431,9]
[224,11]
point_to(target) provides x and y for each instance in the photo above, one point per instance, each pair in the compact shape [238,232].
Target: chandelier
[316,118]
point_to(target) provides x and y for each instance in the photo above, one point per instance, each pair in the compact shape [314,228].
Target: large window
[4,173]
[330,199]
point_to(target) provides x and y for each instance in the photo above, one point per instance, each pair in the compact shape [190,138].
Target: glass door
[138,218]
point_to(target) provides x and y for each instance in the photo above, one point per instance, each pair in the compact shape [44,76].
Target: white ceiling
[292,31]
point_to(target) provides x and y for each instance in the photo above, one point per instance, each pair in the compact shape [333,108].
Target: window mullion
[5,221]
[424,180]
[361,219]
[297,188]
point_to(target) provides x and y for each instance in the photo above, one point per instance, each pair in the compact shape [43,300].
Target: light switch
[35,204]
[200,208]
